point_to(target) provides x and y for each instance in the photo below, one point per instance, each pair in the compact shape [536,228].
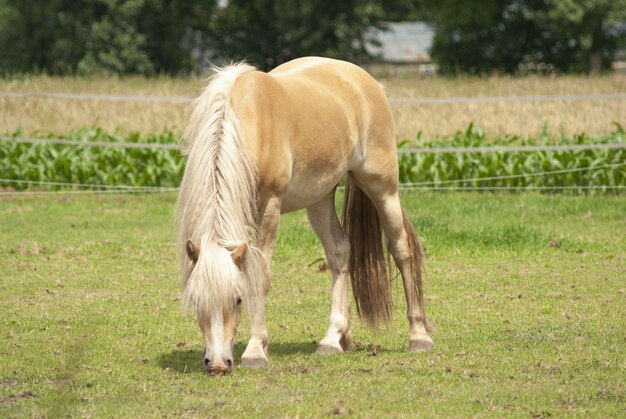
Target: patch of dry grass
[33,114]
[525,118]
[519,118]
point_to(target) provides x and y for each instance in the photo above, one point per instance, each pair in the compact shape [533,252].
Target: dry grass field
[35,115]
[513,118]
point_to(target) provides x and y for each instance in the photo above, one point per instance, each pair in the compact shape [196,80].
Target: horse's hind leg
[325,223]
[405,249]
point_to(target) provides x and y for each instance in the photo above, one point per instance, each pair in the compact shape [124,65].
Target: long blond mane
[217,197]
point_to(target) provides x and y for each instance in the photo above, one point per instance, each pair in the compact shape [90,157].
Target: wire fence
[436,185]
[465,184]
[509,149]
[401,150]
[97,97]
[419,186]
[83,191]
[88,143]
[392,100]
[504,177]
[423,189]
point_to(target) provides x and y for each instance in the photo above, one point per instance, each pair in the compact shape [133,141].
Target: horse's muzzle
[219,368]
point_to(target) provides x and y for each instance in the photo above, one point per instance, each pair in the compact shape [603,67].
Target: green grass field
[527,293]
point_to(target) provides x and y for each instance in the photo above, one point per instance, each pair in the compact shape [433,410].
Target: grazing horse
[261,144]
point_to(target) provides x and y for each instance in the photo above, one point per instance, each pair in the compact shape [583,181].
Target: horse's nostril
[207,362]
[229,363]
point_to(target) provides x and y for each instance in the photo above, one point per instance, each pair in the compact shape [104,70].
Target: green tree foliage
[406,10]
[270,32]
[154,36]
[593,27]
[12,56]
[96,36]
[499,35]
[41,36]
[114,44]
[479,36]
[168,36]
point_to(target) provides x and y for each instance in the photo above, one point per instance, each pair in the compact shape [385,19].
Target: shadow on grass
[190,361]
[183,361]
[285,349]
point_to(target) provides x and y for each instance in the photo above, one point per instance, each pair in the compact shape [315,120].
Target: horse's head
[215,289]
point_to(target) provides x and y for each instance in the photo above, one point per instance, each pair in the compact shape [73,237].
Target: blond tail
[368,266]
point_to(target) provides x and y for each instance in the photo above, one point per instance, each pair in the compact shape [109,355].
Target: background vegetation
[133,167]
[40,116]
[175,36]
[541,35]
[419,125]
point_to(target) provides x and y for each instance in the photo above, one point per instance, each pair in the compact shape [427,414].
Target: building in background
[403,44]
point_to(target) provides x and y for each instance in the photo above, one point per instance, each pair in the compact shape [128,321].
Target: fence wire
[88,143]
[78,192]
[522,175]
[401,150]
[424,186]
[420,186]
[392,100]
[511,188]
[416,188]
[80,185]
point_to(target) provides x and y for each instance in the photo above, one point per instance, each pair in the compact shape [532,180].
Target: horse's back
[311,120]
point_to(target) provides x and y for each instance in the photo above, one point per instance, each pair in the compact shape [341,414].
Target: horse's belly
[306,189]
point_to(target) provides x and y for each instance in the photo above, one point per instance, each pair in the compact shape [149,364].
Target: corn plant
[156,167]
[514,169]
[96,165]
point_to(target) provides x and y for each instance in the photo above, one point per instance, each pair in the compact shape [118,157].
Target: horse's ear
[239,254]
[192,251]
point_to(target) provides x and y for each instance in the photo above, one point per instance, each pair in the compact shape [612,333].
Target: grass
[434,120]
[527,292]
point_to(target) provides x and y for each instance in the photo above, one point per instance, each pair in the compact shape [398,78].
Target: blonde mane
[217,198]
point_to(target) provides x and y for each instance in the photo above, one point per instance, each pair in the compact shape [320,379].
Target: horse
[262,144]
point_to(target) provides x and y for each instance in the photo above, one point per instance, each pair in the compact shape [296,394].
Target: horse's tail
[368,266]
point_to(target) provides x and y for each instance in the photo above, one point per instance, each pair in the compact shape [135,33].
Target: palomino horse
[261,144]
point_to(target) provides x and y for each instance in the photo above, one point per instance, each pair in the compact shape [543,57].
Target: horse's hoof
[420,346]
[348,345]
[327,350]
[254,363]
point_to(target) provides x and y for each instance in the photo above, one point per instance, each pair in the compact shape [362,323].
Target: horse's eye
[238,301]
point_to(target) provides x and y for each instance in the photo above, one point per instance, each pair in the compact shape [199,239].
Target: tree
[405,10]
[37,36]
[13,57]
[268,32]
[98,36]
[500,35]
[113,41]
[593,27]
[483,36]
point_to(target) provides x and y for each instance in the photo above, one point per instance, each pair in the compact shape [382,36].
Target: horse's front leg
[255,355]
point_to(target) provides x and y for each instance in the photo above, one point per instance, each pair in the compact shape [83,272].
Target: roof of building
[402,42]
